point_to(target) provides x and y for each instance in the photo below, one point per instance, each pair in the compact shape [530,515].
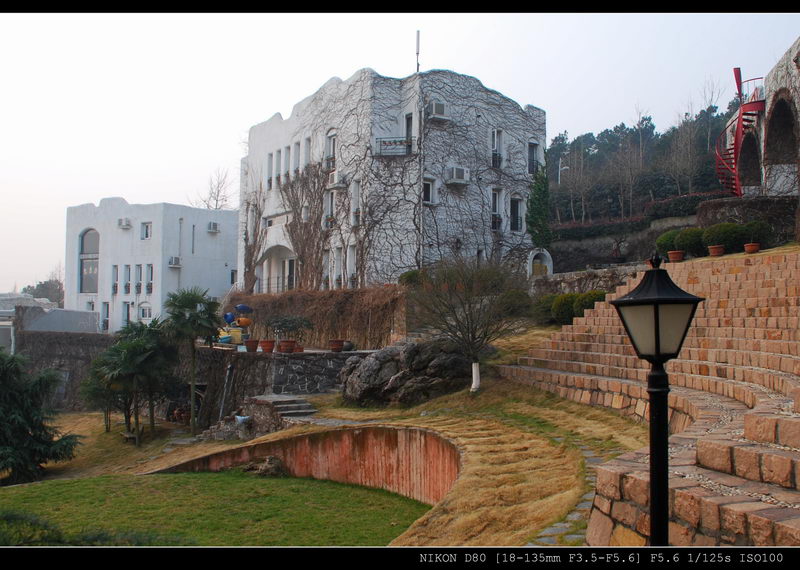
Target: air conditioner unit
[213,227]
[457,175]
[437,110]
[124,223]
[174,261]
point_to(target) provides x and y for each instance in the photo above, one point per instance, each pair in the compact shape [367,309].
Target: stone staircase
[734,406]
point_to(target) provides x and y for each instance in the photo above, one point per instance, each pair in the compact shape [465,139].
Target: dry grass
[516,476]
[511,347]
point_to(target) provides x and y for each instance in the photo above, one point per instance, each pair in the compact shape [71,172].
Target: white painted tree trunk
[476,377]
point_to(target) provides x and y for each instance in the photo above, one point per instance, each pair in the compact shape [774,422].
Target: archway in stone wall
[540,262]
[781,153]
[750,165]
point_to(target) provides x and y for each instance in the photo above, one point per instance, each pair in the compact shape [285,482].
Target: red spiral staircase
[729,143]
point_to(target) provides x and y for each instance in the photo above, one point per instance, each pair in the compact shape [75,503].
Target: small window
[427,191]
[533,163]
[233,276]
[145,312]
[147,230]
[149,273]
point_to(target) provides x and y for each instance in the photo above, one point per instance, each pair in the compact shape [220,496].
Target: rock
[405,374]
[272,467]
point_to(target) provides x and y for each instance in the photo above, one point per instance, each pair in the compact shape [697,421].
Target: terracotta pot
[251,345]
[716,250]
[675,255]
[336,345]
[267,345]
[286,345]
[299,348]
[752,247]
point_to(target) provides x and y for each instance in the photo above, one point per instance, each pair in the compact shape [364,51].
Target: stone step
[751,460]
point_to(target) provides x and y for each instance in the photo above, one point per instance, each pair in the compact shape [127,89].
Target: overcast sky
[147,106]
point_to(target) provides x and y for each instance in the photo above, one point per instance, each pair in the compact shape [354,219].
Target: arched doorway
[781,147]
[750,166]
[540,263]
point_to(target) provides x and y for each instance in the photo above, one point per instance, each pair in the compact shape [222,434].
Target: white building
[409,171]
[123,259]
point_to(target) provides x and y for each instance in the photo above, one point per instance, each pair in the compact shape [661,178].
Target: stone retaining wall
[417,463]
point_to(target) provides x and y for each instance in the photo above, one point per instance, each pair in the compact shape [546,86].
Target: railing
[138,288]
[148,288]
[114,288]
[516,223]
[330,163]
[395,146]
[497,222]
[127,288]
[497,160]
[277,284]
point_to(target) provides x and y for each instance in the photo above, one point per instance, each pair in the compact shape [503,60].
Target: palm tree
[192,314]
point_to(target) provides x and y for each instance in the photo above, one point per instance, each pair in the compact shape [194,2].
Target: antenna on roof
[417,51]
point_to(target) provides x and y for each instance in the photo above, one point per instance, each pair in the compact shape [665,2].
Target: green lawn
[232,508]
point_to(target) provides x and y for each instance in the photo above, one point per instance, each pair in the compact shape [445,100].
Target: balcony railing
[330,163]
[497,222]
[114,288]
[395,146]
[277,284]
[148,288]
[127,288]
[497,160]
[138,288]
[516,223]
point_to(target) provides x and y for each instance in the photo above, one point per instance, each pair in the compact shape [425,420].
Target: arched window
[89,260]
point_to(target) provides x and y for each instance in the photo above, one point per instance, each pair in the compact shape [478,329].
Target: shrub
[690,240]
[666,241]
[563,311]
[732,236]
[542,309]
[411,278]
[759,231]
[515,303]
[587,300]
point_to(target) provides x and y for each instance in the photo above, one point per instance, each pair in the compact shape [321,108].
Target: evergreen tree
[27,442]
[538,212]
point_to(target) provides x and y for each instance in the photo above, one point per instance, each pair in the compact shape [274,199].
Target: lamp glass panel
[673,320]
[640,322]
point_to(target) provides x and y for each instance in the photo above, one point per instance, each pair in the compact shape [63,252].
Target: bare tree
[471,304]
[218,194]
[254,228]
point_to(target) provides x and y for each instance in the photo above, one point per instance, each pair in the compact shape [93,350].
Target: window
[533,163]
[233,276]
[427,191]
[145,312]
[516,214]
[114,273]
[149,273]
[147,230]
[497,148]
[138,270]
[127,278]
[89,260]
[495,201]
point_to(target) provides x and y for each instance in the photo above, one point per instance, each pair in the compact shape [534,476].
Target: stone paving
[571,531]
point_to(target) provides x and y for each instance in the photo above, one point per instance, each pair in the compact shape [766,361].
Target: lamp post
[656,316]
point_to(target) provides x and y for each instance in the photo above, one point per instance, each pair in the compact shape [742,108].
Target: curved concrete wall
[412,462]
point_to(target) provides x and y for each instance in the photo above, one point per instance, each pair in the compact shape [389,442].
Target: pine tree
[27,442]
[538,212]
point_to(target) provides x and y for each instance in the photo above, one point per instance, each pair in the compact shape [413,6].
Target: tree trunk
[136,414]
[476,377]
[151,406]
[192,415]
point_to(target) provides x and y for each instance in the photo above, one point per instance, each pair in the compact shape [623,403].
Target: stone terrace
[734,403]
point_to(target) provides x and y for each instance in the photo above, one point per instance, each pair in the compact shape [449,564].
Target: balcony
[127,289]
[114,288]
[395,146]
[138,288]
[149,288]
[330,163]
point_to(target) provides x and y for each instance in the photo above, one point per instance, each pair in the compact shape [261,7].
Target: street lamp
[656,316]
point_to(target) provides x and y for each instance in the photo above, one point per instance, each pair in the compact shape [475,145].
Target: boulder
[406,374]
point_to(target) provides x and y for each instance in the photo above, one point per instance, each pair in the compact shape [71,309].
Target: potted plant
[336,345]
[665,244]
[724,237]
[690,240]
[302,324]
[758,233]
